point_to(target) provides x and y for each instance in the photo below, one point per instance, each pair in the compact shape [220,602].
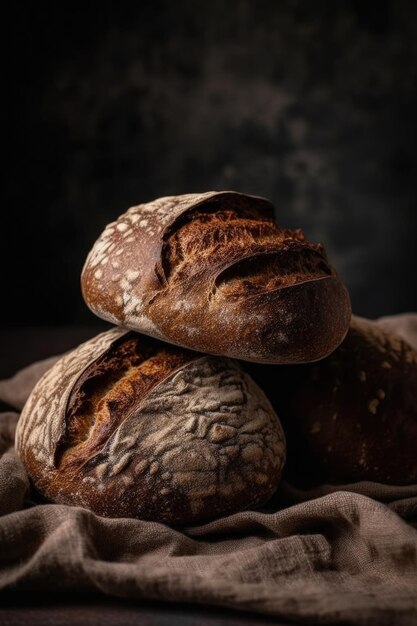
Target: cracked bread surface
[279,257]
[110,388]
[152,431]
[214,273]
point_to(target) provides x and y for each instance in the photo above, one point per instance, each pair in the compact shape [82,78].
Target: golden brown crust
[152,431]
[352,416]
[110,388]
[207,272]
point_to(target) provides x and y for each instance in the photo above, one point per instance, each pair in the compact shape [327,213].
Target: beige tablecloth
[334,555]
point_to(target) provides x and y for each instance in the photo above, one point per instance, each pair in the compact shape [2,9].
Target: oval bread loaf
[213,272]
[130,427]
[352,416]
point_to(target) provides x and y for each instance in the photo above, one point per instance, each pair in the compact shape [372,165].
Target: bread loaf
[352,416]
[214,273]
[130,427]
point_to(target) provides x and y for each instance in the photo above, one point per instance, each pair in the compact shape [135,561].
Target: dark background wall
[312,104]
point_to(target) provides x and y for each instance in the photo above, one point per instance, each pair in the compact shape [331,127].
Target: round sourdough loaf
[213,272]
[352,416]
[130,427]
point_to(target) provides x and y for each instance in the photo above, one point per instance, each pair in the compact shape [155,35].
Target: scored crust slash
[214,273]
[131,427]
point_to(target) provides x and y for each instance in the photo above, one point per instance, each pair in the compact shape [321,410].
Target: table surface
[20,347]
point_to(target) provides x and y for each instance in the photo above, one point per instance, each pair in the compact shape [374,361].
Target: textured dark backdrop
[312,104]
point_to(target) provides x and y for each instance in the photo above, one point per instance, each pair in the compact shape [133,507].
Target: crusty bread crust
[213,272]
[353,415]
[131,427]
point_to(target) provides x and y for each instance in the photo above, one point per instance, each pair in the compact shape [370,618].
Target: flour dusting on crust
[43,417]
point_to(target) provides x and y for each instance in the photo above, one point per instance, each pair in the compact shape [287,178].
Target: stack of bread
[160,418]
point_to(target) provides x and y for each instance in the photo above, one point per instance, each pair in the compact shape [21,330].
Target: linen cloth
[333,554]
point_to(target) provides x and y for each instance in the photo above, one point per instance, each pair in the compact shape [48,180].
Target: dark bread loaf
[131,427]
[352,416]
[213,272]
